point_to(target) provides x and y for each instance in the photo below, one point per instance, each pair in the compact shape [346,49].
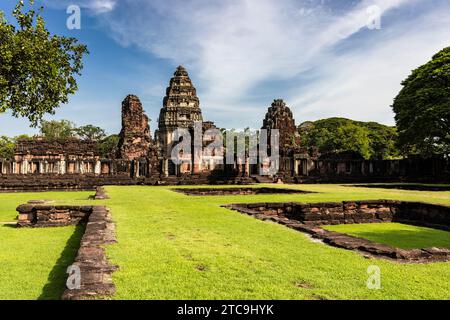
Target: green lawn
[173,246]
[33,262]
[397,235]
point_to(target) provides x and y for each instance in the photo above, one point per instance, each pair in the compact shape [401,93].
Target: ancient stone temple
[43,164]
[181,109]
[293,158]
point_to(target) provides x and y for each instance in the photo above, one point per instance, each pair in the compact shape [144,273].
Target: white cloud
[233,46]
[95,6]
[100,6]
[236,49]
[363,83]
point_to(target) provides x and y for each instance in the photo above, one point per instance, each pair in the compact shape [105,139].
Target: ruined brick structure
[135,138]
[136,143]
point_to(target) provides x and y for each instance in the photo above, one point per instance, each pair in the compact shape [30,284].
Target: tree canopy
[63,130]
[7,146]
[90,132]
[336,135]
[422,108]
[107,147]
[57,129]
[37,69]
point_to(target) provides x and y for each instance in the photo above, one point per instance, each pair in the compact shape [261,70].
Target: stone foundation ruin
[95,270]
[309,217]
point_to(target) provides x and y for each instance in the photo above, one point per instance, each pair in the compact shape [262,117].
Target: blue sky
[318,55]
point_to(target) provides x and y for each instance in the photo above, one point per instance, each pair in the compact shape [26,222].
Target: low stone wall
[413,187]
[367,247]
[88,182]
[309,217]
[68,182]
[101,194]
[348,212]
[95,270]
[237,191]
[42,215]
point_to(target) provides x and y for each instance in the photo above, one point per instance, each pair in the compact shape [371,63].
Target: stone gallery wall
[348,212]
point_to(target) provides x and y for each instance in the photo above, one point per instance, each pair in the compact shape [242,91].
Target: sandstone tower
[280,117]
[181,109]
[135,139]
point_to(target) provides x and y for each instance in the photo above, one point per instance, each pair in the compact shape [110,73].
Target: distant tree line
[336,135]
[62,130]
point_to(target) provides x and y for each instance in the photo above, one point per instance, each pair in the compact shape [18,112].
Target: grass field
[397,235]
[33,262]
[173,246]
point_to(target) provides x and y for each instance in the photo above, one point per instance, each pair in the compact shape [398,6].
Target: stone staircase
[262,179]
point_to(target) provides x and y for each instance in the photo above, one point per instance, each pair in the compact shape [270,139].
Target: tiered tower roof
[181,106]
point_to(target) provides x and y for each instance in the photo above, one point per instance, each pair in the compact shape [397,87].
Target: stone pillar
[24,167]
[247,167]
[62,167]
[98,167]
[166,167]
[136,168]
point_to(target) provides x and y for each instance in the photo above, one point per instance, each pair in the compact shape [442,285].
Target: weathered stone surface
[51,215]
[100,194]
[96,271]
[135,139]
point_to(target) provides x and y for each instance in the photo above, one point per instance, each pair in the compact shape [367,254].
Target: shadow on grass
[56,280]
[408,239]
[12,225]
